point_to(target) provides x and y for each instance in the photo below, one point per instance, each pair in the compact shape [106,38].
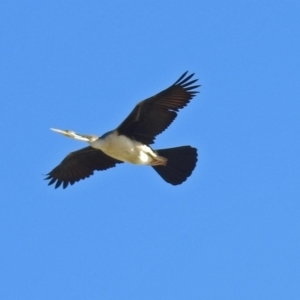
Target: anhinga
[129,142]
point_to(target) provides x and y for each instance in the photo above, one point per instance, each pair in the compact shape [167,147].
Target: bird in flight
[130,141]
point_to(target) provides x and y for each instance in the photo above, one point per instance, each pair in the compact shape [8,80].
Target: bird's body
[129,142]
[125,149]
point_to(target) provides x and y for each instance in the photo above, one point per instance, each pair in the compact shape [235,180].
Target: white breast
[122,148]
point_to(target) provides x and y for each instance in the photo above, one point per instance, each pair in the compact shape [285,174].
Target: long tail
[181,163]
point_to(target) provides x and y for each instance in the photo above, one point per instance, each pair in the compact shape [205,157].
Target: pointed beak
[63,132]
[72,134]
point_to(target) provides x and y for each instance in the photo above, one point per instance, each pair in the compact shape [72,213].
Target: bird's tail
[180,165]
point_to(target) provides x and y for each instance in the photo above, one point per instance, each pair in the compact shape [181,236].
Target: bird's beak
[63,132]
[72,134]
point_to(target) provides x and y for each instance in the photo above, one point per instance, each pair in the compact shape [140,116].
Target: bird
[130,141]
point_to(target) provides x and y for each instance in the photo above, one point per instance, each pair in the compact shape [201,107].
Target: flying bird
[130,141]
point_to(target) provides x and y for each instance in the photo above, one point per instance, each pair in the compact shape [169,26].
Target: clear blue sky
[232,231]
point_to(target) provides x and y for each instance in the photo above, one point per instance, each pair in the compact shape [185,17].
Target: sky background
[231,231]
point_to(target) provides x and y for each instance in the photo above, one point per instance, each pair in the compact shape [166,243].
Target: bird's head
[80,137]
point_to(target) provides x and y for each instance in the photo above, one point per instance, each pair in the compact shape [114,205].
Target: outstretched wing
[153,115]
[79,165]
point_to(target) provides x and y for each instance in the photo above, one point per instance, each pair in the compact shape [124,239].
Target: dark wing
[79,165]
[153,115]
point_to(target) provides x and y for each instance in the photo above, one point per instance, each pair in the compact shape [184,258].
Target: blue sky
[232,231]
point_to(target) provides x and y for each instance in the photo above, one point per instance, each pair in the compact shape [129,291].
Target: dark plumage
[79,165]
[181,163]
[152,116]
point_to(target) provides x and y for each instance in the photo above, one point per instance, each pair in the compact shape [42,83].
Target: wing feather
[79,165]
[153,115]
